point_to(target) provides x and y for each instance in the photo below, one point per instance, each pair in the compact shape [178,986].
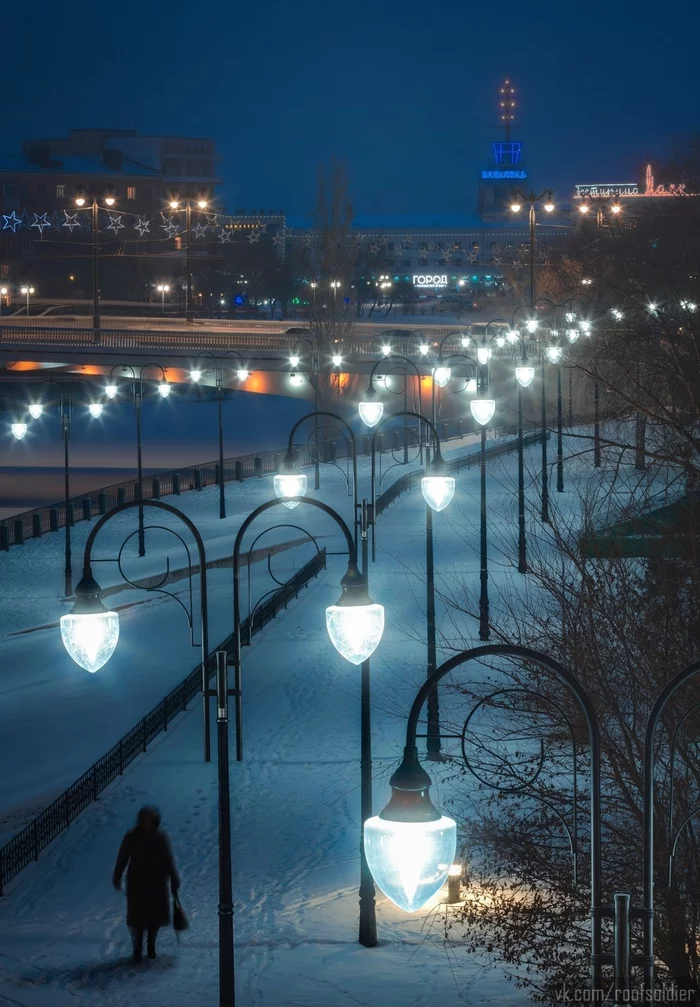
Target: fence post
[87,508]
[102,503]
[4,538]
[94,782]
[143,733]
[121,757]
[121,495]
[155,488]
[239,470]
[176,483]
[36,839]
[197,479]
[36,525]
[53,519]
[257,466]
[19,532]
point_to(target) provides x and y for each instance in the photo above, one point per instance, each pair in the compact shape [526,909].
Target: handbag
[180,921]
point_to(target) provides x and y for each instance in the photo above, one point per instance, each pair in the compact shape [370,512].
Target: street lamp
[554,355]
[482,410]
[27,290]
[518,199]
[163,289]
[80,200]
[371,410]
[202,204]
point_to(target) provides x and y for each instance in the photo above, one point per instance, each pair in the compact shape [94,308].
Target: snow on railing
[26,846]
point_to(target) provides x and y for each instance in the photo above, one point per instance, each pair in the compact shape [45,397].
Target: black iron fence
[35,837]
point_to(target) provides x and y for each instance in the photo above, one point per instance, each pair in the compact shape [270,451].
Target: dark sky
[404,92]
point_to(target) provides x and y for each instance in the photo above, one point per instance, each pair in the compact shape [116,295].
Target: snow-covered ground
[295,797]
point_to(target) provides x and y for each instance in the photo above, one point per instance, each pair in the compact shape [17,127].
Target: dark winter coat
[150,864]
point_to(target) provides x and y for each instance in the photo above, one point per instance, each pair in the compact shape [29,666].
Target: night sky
[404,92]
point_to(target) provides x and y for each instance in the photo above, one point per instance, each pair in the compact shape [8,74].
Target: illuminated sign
[631,189]
[504,173]
[429,281]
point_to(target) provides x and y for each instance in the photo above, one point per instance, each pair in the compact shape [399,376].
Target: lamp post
[524,376]
[202,204]
[437,487]
[518,199]
[482,410]
[90,634]
[242,374]
[111,391]
[355,625]
[80,200]
[554,355]
[163,289]
[371,409]
[27,290]
[443,372]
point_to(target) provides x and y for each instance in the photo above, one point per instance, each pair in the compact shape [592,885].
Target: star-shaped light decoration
[199,230]
[254,235]
[170,227]
[12,222]
[262,228]
[115,223]
[373,247]
[307,240]
[212,218]
[142,225]
[40,222]
[279,238]
[71,221]
[474,257]
[497,260]
[225,235]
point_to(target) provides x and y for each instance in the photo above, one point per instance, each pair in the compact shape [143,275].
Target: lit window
[131,192]
[60,191]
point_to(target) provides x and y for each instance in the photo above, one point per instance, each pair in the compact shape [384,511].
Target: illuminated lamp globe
[410,846]
[337,359]
[111,391]
[424,348]
[195,374]
[35,410]
[483,354]
[585,327]
[89,632]
[386,349]
[242,374]
[524,375]
[289,482]
[531,325]
[294,360]
[616,207]
[572,335]
[482,410]
[355,624]
[370,409]
[515,206]
[500,342]
[512,336]
[18,430]
[570,316]
[296,380]
[95,409]
[553,354]
[465,341]
[471,386]
[442,376]
[583,208]
[438,487]
[549,206]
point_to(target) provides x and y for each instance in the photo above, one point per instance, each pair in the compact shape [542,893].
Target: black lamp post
[90,611]
[80,200]
[243,374]
[518,199]
[355,639]
[174,204]
[371,409]
[111,391]
[438,489]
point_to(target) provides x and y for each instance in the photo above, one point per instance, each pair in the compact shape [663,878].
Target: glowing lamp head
[652,308]
[95,409]
[410,846]
[202,204]
[290,482]
[109,200]
[616,207]
[174,203]
[570,316]
[89,632]
[370,409]
[355,624]
[296,380]
[483,410]
[617,314]
[583,208]
[80,200]
[294,360]
[531,325]
[164,389]
[572,335]
[471,386]
[515,206]
[337,359]
[524,375]
[442,375]
[386,349]
[500,342]
[585,327]
[242,374]
[483,355]
[438,488]
[35,410]
[465,341]
[111,391]
[424,349]
[549,206]
[512,336]
[18,430]
[553,354]
[195,374]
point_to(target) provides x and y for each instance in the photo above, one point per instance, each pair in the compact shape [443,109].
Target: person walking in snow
[146,851]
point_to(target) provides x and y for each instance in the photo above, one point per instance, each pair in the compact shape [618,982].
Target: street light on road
[109,200]
[27,291]
[163,289]
[202,204]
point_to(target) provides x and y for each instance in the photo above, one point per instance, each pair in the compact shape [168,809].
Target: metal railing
[26,846]
[50,517]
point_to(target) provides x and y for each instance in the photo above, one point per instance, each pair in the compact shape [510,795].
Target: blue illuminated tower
[506,169]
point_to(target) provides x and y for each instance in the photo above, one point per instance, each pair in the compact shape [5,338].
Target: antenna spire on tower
[506,106]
